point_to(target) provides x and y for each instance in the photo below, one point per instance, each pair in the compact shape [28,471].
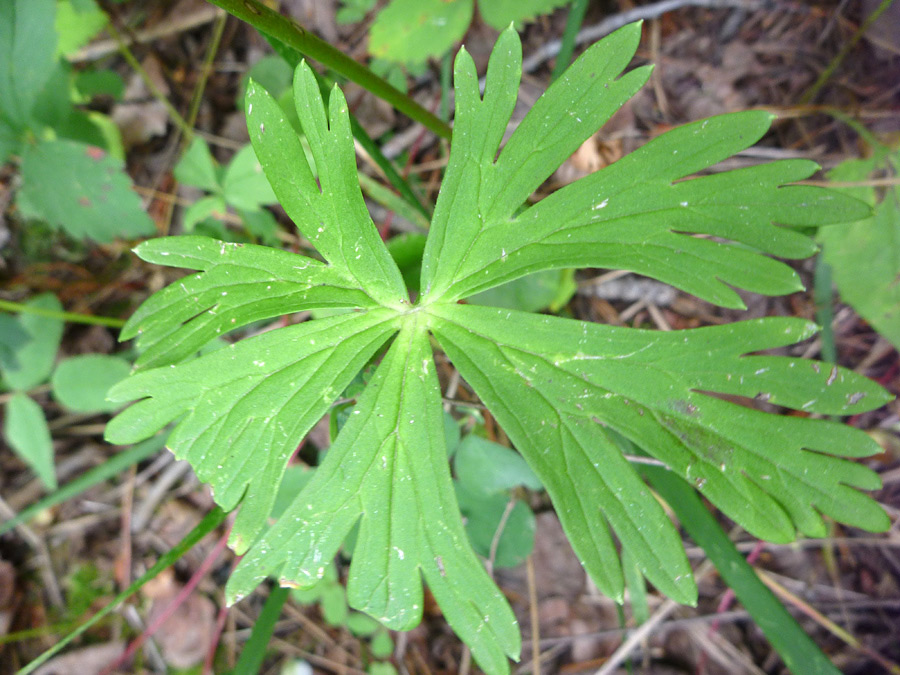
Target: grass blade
[255,650]
[108,469]
[800,653]
[567,47]
[272,23]
[212,520]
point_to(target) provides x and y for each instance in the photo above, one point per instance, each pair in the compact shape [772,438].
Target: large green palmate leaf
[565,391]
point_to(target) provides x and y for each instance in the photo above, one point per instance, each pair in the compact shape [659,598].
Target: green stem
[567,46]
[810,93]
[204,527]
[292,34]
[205,70]
[71,317]
[254,652]
[800,653]
[174,115]
[822,286]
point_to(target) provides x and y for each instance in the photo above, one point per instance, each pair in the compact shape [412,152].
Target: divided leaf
[238,284]
[388,469]
[556,385]
[566,392]
[244,409]
[330,212]
[635,214]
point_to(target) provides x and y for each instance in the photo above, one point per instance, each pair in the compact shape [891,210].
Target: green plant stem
[810,93]
[389,200]
[132,61]
[567,44]
[446,85]
[212,520]
[187,135]
[822,286]
[255,649]
[72,317]
[800,653]
[205,70]
[295,36]
[32,633]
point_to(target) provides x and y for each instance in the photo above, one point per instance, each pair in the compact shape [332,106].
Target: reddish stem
[166,614]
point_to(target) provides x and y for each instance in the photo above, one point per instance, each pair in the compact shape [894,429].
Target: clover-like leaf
[567,392]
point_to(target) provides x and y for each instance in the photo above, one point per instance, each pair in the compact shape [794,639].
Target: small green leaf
[531,293]
[294,480]
[272,73]
[27,47]
[197,166]
[334,604]
[500,13]
[410,31]
[81,189]
[75,26]
[382,646]
[25,429]
[90,83]
[200,210]
[497,517]
[489,468]
[244,184]
[262,225]
[28,360]
[361,624]
[353,11]
[81,383]
[865,255]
